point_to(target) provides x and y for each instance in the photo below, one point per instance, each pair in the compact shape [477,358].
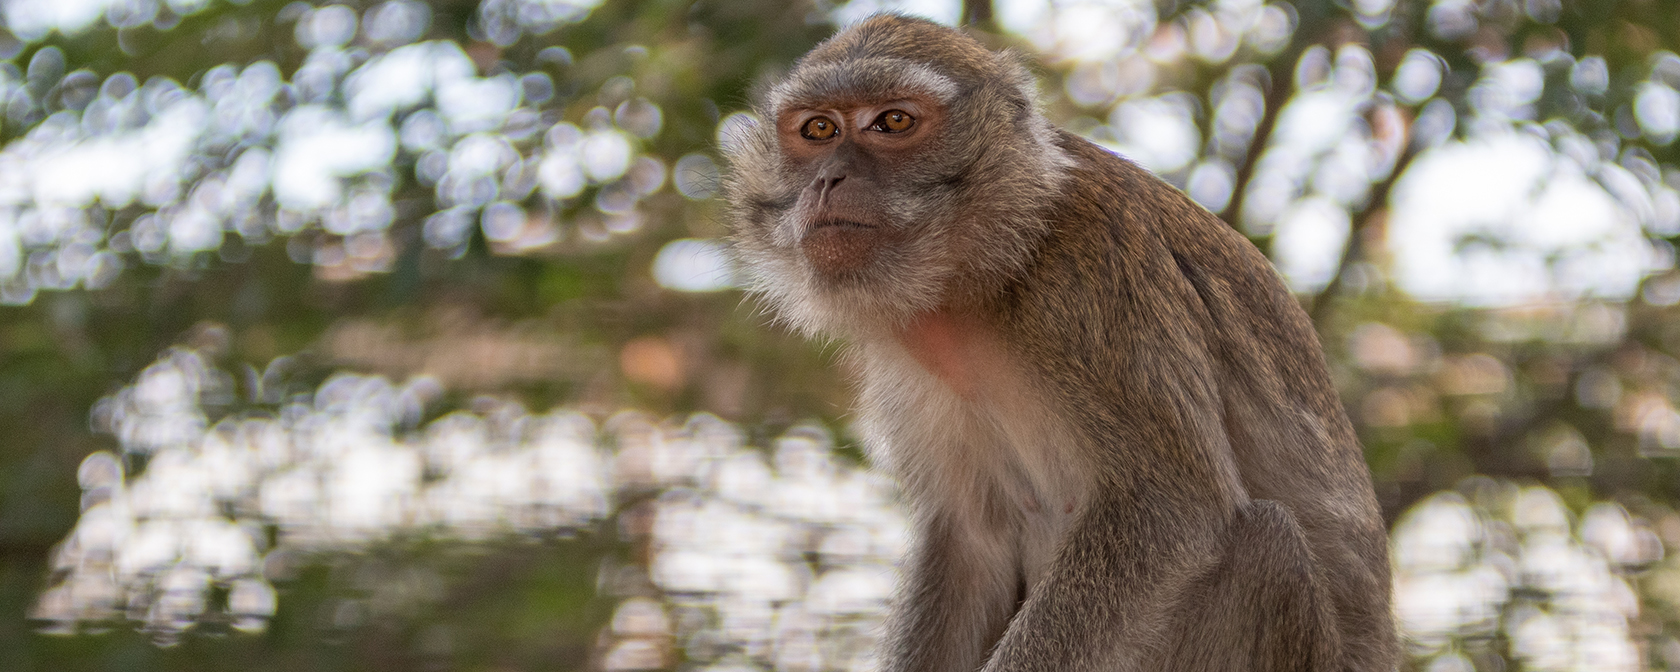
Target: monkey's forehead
[860,81]
[892,35]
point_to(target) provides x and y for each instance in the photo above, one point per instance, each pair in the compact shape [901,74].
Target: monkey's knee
[1265,539]
[1268,563]
[1261,608]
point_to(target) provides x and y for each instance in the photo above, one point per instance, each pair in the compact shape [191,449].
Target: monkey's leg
[959,588]
[1107,602]
[1262,608]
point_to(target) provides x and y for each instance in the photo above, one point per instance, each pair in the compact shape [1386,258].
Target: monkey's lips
[837,246]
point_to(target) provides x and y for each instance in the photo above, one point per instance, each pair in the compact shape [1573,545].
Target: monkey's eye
[894,121]
[819,128]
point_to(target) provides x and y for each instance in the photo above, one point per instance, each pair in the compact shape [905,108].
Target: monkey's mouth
[840,246]
[843,223]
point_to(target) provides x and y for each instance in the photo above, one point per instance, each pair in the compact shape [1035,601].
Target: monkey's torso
[1018,422]
[965,426]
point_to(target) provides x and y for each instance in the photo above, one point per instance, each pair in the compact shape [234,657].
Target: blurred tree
[1478,201]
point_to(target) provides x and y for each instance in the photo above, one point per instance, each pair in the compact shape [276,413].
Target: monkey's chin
[839,248]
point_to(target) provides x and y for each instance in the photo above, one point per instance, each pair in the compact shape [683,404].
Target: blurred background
[396,335]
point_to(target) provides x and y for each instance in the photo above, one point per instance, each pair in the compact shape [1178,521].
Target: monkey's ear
[1020,63]
[1023,73]
[993,42]
[758,92]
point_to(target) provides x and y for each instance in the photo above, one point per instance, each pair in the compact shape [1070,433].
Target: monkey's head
[900,168]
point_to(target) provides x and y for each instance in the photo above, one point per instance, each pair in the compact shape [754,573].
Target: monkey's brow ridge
[865,78]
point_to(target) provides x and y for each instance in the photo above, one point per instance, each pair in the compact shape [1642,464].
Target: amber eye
[819,128]
[894,121]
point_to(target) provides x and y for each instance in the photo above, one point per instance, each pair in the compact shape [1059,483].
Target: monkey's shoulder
[1128,201]
[1144,230]
[1154,258]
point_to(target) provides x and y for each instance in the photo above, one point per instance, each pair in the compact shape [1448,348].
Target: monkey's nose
[825,186]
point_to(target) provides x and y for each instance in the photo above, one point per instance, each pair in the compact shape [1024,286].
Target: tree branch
[1355,250]
[978,13]
[1281,70]
[1281,88]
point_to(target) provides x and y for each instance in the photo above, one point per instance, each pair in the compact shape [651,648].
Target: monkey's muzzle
[840,246]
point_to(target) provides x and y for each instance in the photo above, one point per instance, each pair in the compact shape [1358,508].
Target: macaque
[1111,420]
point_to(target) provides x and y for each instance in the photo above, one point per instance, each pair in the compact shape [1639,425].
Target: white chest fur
[969,436]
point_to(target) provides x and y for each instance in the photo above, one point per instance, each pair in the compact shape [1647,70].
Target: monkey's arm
[959,589]
[1164,601]
[1110,595]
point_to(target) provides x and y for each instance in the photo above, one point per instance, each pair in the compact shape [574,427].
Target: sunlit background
[398,335]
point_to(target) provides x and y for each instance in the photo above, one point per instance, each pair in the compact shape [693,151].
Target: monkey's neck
[957,348]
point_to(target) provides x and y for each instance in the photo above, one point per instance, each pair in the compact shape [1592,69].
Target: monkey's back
[1231,338]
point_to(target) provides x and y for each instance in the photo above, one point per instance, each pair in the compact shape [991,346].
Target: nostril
[826,185]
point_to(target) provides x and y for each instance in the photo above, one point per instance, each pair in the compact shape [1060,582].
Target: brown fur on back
[1248,353]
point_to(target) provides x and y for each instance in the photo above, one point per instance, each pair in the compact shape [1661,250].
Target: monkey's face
[846,201]
[851,159]
[901,168]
